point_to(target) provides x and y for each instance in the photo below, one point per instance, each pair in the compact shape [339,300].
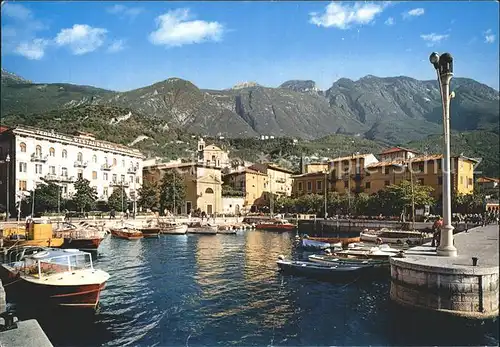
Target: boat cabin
[42,262]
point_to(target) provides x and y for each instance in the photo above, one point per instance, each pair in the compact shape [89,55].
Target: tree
[468,203]
[85,196]
[149,197]
[310,203]
[45,199]
[172,190]
[227,190]
[118,200]
[395,199]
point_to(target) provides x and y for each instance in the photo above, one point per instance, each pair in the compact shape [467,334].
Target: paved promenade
[422,279]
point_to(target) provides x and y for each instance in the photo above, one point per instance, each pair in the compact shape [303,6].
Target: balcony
[81,164]
[58,179]
[120,184]
[280,180]
[106,167]
[132,170]
[37,157]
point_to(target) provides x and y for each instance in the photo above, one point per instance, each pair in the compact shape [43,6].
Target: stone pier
[454,286]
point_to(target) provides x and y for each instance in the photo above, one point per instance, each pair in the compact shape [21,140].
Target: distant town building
[316,167]
[310,183]
[280,179]
[253,184]
[398,154]
[232,205]
[203,185]
[212,155]
[38,155]
[488,186]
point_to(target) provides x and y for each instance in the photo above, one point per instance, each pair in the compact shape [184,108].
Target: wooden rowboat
[126,233]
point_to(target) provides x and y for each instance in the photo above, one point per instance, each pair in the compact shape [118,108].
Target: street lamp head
[434,59]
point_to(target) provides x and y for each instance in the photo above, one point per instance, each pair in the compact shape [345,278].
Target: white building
[38,155]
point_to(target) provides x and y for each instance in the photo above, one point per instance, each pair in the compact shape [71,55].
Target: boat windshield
[43,264]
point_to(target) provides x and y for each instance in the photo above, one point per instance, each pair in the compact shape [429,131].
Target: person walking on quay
[127,213]
[112,214]
[436,232]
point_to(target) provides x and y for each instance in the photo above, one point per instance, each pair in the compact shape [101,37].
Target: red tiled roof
[3,128]
[398,149]
[487,179]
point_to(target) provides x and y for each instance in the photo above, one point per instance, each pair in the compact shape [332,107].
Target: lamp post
[444,69]
[7,208]
[326,195]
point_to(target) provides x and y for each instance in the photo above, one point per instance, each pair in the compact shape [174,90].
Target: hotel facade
[44,156]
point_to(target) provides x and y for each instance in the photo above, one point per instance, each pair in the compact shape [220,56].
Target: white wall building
[232,204]
[38,155]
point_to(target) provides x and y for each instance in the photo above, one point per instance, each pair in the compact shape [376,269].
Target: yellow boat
[37,234]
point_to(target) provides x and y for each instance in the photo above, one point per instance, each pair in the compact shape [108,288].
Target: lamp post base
[446,247]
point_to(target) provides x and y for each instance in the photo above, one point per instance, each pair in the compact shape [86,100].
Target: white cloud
[125,11]
[81,38]
[16,11]
[344,16]
[178,27]
[19,31]
[389,21]
[489,37]
[433,38]
[416,12]
[33,50]
[116,46]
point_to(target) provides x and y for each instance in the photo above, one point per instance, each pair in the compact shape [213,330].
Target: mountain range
[392,110]
[387,111]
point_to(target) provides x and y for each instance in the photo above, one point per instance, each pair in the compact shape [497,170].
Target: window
[38,150]
[131,179]
[137,179]
[440,180]
[114,161]
[421,181]
[470,182]
[123,163]
[64,172]
[122,178]
[309,186]
[64,153]
[38,169]
[440,163]
[79,156]
[114,178]
[22,167]
[318,185]
[80,174]
[461,180]
[368,185]
[94,158]
[300,185]
[106,160]
[52,152]
[94,175]
[65,189]
[52,170]
[421,167]
[105,176]
[209,191]
[22,185]
[105,191]
[386,183]
[22,147]
[346,184]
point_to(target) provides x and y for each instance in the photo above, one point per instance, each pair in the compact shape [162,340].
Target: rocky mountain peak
[300,85]
[9,77]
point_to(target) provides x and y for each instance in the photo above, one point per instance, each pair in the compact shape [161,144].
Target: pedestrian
[436,232]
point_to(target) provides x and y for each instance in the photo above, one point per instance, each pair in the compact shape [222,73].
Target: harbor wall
[471,293]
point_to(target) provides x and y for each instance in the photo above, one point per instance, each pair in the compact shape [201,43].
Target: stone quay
[463,286]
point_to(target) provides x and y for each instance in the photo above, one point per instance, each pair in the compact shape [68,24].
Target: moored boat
[126,233]
[326,259]
[64,278]
[329,272]
[82,236]
[399,237]
[149,232]
[172,228]
[307,244]
[203,229]
[345,240]
[276,225]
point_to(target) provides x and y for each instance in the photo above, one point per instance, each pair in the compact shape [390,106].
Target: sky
[215,45]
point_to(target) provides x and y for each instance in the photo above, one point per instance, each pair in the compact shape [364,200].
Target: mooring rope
[8,284]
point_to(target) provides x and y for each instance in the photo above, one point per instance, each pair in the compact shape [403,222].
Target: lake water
[197,290]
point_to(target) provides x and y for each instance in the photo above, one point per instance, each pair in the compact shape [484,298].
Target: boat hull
[83,296]
[126,235]
[82,244]
[174,230]
[324,272]
[150,232]
[278,228]
[203,230]
[332,240]
[55,242]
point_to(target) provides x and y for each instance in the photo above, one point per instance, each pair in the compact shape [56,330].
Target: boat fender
[281,257]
